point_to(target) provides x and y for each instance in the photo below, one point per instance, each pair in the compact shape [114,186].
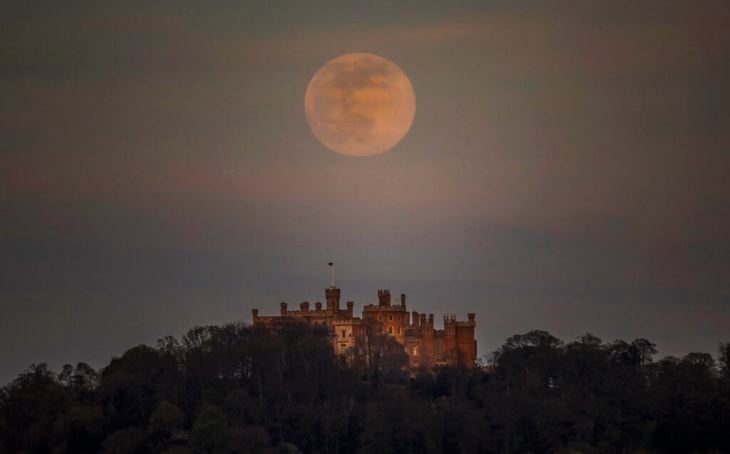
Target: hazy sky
[568,169]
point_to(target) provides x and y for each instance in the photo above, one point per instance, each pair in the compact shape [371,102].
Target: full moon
[360,104]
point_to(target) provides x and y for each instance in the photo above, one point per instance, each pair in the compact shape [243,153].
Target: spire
[332,274]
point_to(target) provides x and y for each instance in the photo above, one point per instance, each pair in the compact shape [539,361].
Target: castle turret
[403,299]
[384,297]
[450,348]
[332,297]
[427,338]
[317,306]
[304,306]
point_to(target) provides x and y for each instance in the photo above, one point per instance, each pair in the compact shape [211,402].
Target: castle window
[343,333]
[390,318]
[399,330]
[415,351]
[390,330]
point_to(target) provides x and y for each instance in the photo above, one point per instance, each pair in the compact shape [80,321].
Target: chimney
[414,318]
[422,321]
[304,306]
[430,320]
[403,299]
[471,316]
[283,308]
[255,313]
[317,306]
[350,305]
[383,297]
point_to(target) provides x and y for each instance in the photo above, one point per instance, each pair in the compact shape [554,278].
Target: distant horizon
[100,362]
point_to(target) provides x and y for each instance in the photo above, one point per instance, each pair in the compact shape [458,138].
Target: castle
[426,346]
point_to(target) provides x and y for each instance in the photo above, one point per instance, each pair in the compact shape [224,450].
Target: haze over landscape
[567,169]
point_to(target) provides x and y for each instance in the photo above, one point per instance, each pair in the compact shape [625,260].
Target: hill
[238,389]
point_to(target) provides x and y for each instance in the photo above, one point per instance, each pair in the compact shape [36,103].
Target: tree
[643,350]
[537,339]
[29,407]
[132,440]
[724,360]
[133,385]
[164,421]
[209,433]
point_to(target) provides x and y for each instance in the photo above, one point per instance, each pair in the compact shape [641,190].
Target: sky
[567,169]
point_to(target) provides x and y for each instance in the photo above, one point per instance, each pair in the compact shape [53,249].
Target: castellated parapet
[426,346]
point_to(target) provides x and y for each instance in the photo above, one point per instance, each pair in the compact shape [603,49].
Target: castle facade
[426,346]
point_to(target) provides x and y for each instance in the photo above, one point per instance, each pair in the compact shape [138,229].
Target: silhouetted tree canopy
[236,389]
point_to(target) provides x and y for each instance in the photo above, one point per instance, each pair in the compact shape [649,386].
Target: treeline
[236,389]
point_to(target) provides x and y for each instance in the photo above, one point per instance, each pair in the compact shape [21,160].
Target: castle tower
[427,341]
[466,344]
[332,297]
[391,319]
[450,351]
[383,297]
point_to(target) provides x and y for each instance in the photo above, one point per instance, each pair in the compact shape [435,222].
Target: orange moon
[360,104]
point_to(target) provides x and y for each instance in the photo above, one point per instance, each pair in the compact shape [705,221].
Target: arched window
[399,330]
[390,330]
[343,333]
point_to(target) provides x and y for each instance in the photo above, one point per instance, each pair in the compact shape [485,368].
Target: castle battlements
[373,307]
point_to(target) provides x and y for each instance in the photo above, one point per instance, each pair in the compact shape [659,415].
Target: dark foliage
[235,389]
